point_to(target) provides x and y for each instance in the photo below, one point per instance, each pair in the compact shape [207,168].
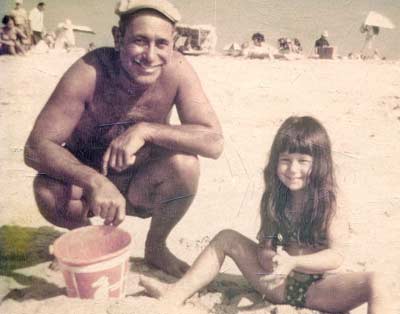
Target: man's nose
[151,53]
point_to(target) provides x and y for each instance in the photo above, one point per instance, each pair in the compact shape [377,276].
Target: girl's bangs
[296,145]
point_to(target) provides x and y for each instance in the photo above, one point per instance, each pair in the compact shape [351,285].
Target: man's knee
[45,190]
[377,284]
[185,167]
[48,195]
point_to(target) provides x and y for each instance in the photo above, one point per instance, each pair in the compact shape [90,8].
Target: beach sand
[358,102]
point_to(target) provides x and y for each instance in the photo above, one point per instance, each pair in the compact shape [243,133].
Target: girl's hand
[265,256]
[283,264]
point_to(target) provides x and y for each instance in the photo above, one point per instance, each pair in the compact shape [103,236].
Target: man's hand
[121,153]
[283,264]
[107,202]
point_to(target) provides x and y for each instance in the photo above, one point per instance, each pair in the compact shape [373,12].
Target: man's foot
[163,259]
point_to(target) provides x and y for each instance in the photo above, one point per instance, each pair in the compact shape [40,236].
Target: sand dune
[358,102]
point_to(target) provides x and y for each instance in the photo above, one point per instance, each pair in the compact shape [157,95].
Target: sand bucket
[94,261]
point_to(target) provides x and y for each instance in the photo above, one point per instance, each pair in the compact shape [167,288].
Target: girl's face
[294,170]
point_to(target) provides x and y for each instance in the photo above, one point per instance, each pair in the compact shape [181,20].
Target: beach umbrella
[377,19]
[76,28]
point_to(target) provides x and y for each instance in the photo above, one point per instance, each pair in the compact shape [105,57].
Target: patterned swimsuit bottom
[297,285]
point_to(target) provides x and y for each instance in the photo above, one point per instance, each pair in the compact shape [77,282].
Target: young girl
[301,236]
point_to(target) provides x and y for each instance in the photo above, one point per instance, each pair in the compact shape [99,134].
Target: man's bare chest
[116,106]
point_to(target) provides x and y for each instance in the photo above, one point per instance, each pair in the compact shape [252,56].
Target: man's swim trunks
[296,288]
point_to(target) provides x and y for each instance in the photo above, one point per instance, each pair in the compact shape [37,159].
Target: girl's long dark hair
[304,135]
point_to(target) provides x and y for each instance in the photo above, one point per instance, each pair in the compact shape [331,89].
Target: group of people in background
[21,30]
[291,48]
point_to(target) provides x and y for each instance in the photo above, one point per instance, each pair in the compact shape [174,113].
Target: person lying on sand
[301,238]
[103,144]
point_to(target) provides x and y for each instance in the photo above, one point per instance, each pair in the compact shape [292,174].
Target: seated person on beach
[11,37]
[258,48]
[321,42]
[287,45]
[301,238]
[103,144]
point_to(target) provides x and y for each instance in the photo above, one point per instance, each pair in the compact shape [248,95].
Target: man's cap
[19,1]
[325,34]
[162,6]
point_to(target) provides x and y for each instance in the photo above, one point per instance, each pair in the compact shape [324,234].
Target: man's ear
[117,37]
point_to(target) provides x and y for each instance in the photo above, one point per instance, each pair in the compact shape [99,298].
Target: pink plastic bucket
[94,261]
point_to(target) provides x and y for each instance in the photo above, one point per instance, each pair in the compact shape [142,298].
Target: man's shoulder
[101,60]
[178,66]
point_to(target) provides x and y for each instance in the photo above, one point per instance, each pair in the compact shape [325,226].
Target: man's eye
[140,41]
[162,44]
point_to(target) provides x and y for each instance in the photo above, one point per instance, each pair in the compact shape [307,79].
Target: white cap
[19,1]
[325,34]
[162,6]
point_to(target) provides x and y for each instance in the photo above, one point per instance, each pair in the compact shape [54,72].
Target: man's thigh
[156,178]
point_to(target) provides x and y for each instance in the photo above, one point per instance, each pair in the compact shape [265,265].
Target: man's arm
[54,125]
[200,132]
[56,122]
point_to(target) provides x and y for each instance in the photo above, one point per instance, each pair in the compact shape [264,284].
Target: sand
[358,102]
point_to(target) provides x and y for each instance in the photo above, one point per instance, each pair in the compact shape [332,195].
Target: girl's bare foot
[161,291]
[153,287]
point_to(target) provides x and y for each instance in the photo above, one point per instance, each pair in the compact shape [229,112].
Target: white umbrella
[377,19]
[76,28]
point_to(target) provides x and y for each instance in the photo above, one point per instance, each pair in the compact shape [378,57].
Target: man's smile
[147,68]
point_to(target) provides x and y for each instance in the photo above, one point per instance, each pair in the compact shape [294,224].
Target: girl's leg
[343,292]
[206,267]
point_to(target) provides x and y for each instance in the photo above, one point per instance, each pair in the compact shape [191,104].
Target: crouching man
[103,144]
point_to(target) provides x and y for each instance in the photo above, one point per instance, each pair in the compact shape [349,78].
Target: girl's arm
[329,258]
[265,253]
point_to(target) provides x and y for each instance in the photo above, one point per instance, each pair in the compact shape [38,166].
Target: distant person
[297,48]
[258,39]
[11,37]
[65,37]
[301,241]
[321,42]
[21,18]
[36,22]
[258,48]
[371,32]
[104,145]
[92,46]
[287,45]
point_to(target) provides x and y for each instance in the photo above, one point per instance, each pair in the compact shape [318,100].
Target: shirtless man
[103,144]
